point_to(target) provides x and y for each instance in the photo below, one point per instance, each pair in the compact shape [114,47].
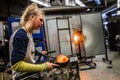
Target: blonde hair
[30,10]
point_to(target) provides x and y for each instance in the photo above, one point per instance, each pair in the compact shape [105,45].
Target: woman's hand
[51,65]
[44,52]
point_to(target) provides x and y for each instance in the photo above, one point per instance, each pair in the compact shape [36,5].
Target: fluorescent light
[41,3]
[80,3]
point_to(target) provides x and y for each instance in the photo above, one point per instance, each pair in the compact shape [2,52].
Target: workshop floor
[103,70]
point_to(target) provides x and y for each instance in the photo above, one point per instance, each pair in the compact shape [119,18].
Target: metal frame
[64,29]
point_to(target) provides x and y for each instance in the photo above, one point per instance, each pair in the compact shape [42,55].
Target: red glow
[77,37]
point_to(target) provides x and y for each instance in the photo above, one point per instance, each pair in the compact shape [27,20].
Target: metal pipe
[118,7]
[105,3]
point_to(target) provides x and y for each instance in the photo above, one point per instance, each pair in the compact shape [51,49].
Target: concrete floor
[103,70]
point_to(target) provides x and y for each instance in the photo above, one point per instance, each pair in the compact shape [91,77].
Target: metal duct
[69,9]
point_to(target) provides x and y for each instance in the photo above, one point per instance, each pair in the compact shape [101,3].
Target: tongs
[50,56]
[49,52]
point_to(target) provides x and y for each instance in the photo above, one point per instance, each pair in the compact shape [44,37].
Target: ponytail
[30,10]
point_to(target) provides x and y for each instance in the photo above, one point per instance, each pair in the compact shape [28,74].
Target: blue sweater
[20,42]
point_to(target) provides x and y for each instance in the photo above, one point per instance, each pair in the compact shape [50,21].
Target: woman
[21,46]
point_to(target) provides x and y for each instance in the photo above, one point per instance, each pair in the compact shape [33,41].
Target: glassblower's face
[38,22]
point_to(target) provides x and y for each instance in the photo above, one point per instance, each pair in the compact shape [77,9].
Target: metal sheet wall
[93,30]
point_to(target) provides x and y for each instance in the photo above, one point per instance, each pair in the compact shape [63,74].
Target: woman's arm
[23,66]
